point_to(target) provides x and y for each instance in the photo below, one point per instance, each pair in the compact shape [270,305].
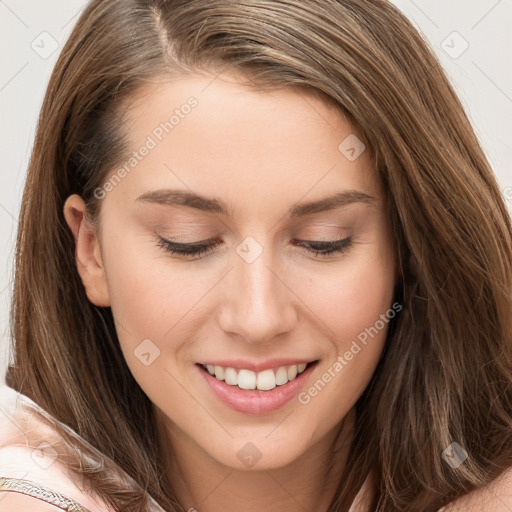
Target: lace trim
[40,492]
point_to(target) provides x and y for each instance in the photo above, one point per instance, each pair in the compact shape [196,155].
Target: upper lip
[240,364]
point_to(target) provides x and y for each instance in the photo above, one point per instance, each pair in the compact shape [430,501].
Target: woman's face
[268,179]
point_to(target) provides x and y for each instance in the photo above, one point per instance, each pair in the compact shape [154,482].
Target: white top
[30,448]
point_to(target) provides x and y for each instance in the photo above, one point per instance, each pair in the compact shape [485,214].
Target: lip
[240,364]
[254,401]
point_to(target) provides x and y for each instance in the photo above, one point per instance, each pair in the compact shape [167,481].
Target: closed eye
[319,249]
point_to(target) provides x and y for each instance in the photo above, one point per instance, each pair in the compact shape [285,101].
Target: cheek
[353,293]
[355,305]
[366,293]
[137,292]
[150,297]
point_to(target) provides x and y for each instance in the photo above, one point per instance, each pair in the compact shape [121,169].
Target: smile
[248,379]
[261,389]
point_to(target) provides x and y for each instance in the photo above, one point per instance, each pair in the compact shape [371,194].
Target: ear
[87,252]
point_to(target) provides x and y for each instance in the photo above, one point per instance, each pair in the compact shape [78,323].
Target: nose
[259,304]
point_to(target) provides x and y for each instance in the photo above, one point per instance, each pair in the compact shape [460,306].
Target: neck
[307,483]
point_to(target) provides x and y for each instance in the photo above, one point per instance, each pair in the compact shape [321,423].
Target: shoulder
[32,451]
[45,474]
[37,448]
[494,497]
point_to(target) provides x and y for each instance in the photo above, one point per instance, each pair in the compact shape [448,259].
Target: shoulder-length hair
[446,369]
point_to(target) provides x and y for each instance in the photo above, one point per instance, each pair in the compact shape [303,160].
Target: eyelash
[198,248]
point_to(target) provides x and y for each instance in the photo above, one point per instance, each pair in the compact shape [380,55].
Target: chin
[260,451]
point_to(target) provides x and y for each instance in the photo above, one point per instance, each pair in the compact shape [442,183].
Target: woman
[262,263]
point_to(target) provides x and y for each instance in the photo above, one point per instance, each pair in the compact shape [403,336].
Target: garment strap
[41,493]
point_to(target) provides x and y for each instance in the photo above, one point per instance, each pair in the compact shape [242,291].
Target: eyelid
[329,247]
[191,248]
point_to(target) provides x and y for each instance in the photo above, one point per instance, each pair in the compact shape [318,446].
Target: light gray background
[33,33]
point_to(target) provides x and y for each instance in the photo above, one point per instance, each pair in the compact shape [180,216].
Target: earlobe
[88,257]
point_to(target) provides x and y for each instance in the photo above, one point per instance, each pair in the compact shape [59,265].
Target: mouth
[256,392]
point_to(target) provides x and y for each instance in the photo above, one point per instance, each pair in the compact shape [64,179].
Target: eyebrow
[171,197]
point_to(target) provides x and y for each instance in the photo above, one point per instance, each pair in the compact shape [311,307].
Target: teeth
[281,376]
[266,380]
[247,379]
[230,376]
[292,372]
[219,372]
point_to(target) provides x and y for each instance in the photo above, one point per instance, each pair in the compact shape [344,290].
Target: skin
[261,153]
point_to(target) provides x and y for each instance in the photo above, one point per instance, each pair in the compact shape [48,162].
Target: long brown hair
[446,369]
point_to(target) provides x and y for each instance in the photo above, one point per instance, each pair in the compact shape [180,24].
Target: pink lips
[254,401]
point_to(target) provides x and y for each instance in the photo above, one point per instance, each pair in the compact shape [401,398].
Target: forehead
[217,136]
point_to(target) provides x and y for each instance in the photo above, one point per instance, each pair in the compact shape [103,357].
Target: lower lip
[254,401]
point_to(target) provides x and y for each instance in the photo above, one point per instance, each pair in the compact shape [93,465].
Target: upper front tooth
[246,379]
[266,380]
